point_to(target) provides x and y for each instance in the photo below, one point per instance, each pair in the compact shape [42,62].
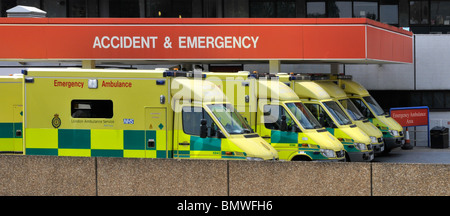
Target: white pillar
[274,66]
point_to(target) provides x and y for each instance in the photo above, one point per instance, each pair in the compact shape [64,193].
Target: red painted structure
[343,40]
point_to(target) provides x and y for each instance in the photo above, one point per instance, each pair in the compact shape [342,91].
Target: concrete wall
[73,176]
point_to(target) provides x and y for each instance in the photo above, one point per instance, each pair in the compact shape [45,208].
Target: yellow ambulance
[356,142]
[11,114]
[355,115]
[277,114]
[392,131]
[134,113]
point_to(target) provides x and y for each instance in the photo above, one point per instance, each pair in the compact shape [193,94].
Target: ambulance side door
[276,130]
[189,143]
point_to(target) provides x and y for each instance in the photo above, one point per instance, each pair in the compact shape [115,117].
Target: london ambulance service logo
[56,121]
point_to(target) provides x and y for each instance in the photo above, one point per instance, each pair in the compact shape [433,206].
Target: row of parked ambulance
[164,113]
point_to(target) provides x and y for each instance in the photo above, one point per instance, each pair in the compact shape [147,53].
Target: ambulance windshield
[352,110]
[303,115]
[232,121]
[374,105]
[337,113]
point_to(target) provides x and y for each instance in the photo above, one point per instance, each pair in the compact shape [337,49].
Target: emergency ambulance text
[57,83]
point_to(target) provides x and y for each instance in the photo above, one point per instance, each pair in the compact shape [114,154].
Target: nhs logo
[128,121]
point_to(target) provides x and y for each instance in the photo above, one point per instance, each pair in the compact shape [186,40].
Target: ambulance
[134,113]
[275,112]
[11,114]
[340,97]
[356,142]
[392,131]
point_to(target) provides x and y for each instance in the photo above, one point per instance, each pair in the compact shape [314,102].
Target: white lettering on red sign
[115,42]
[219,42]
[184,42]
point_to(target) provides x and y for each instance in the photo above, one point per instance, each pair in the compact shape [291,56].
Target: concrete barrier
[161,177]
[79,176]
[398,179]
[49,176]
[299,179]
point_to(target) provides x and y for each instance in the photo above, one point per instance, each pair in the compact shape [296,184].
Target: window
[362,108]
[351,109]
[320,114]
[92,109]
[337,113]
[418,12]
[303,115]
[124,8]
[191,120]
[233,122]
[315,9]
[340,9]
[272,8]
[273,118]
[169,8]
[440,13]
[389,11]
[365,9]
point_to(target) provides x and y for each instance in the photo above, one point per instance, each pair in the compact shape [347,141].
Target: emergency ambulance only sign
[410,116]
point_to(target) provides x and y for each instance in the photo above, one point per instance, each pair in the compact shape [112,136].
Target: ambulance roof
[195,89]
[351,87]
[332,88]
[274,89]
[310,89]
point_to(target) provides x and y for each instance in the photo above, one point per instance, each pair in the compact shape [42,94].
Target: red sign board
[410,116]
[351,40]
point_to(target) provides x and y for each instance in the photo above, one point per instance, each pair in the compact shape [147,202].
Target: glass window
[262,8]
[440,13]
[374,105]
[315,9]
[92,109]
[303,115]
[272,8]
[340,9]
[273,118]
[351,109]
[124,8]
[286,9]
[362,107]
[191,121]
[389,11]
[337,113]
[232,121]
[76,8]
[365,9]
[321,115]
[418,12]
[169,8]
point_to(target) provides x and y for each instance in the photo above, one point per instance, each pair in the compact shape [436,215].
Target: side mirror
[296,129]
[203,128]
[283,126]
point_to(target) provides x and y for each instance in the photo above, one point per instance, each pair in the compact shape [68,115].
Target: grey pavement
[418,154]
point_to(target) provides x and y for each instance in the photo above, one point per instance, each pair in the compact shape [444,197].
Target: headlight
[373,140]
[328,153]
[254,159]
[361,146]
[393,132]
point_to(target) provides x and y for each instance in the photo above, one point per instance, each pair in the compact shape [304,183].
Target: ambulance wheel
[301,158]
